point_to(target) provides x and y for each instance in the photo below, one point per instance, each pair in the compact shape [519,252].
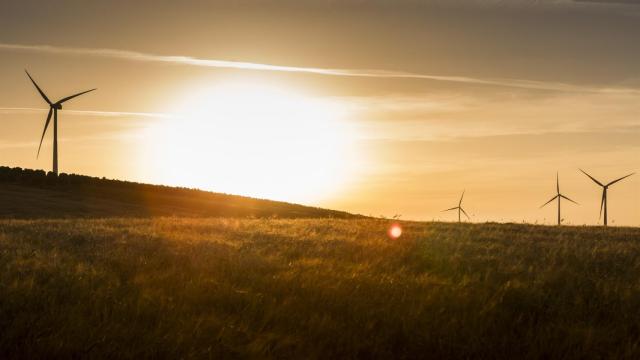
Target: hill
[316,289]
[26,193]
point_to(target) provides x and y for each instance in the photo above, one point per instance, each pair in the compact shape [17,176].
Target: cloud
[610,2]
[13,110]
[363,73]
[429,117]
[113,135]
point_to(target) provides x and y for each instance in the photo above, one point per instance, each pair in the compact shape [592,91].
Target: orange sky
[375,107]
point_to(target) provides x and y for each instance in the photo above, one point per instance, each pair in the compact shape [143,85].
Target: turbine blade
[615,181]
[465,213]
[453,208]
[557,183]
[566,198]
[72,96]
[38,87]
[461,197]
[592,178]
[46,124]
[602,203]
[545,204]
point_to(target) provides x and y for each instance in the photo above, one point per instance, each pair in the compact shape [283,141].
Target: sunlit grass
[176,287]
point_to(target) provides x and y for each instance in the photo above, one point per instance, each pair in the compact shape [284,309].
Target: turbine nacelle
[57,106]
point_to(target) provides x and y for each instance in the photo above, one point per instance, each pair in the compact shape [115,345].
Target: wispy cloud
[429,117]
[112,135]
[13,110]
[610,2]
[364,73]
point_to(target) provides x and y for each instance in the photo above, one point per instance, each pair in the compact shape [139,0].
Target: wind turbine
[558,196]
[53,109]
[459,208]
[603,203]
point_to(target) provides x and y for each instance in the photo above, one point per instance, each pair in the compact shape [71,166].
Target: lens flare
[395,231]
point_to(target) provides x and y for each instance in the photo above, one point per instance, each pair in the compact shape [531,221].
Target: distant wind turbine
[603,202]
[459,208]
[53,109]
[558,196]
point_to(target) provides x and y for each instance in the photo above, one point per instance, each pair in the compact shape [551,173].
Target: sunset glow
[397,112]
[320,179]
[252,139]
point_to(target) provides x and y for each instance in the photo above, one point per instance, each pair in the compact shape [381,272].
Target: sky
[376,107]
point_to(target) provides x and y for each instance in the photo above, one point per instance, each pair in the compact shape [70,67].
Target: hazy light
[395,231]
[253,139]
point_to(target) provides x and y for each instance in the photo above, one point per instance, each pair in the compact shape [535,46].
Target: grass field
[227,288]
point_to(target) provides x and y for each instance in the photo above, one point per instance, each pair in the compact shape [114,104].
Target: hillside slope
[28,193]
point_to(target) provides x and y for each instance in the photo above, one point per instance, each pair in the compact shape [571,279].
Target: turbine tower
[603,202]
[53,109]
[459,208]
[558,196]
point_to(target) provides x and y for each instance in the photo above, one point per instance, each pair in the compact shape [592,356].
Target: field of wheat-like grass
[228,288]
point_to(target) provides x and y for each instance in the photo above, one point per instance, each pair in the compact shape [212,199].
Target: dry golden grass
[199,288]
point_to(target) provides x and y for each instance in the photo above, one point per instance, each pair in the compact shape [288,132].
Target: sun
[253,139]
